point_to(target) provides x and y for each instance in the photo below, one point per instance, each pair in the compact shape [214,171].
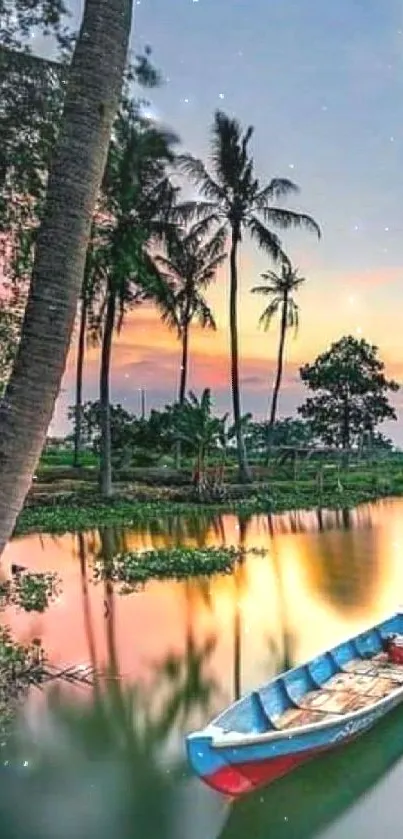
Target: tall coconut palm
[190,265]
[76,170]
[279,288]
[235,198]
[137,198]
[87,300]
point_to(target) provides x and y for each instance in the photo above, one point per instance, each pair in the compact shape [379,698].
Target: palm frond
[270,312]
[285,219]
[293,316]
[277,188]
[197,172]
[188,212]
[266,239]
[228,152]
[205,315]
[208,272]
[265,290]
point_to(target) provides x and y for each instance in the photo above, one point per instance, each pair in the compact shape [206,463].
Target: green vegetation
[349,393]
[21,665]
[305,485]
[28,591]
[174,563]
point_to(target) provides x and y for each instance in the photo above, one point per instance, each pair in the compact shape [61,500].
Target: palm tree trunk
[183,382]
[88,623]
[79,381]
[244,472]
[104,398]
[280,362]
[92,96]
[184,364]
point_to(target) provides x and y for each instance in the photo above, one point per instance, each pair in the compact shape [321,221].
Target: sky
[322,84]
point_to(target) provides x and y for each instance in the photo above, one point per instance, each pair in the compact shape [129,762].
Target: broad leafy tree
[234,196]
[75,175]
[349,393]
[279,288]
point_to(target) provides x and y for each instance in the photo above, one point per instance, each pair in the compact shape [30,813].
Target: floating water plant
[169,563]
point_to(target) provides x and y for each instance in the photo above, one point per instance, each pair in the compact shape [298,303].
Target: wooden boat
[311,709]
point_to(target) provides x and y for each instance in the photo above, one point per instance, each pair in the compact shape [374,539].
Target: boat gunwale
[289,733]
[235,739]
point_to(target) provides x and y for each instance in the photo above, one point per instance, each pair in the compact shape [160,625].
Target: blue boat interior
[337,682]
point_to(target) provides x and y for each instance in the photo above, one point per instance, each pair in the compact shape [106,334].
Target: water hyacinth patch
[168,563]
[31,592]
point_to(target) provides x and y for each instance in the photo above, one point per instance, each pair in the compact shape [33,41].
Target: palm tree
[235,199]
[279,288]
[190,266]
[92,96]
[87,300]
[137,200]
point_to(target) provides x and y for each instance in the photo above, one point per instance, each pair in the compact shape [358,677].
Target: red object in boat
[395,649]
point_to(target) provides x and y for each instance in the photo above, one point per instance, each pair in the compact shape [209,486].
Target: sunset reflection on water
[322,578]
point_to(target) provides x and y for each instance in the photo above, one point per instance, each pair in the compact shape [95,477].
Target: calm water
[191,648]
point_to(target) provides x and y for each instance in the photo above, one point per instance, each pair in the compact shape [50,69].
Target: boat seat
[263,721]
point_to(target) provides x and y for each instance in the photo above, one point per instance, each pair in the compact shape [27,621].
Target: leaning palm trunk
[244,473]
[280,362]
[92,97]
[78,409]
[104,398]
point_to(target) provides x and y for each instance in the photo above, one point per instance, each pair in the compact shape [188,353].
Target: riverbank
[79,511]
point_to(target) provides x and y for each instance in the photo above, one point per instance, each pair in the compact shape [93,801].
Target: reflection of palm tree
[108,552]
[286,658]
[239,578]
[190,687]
[87,606]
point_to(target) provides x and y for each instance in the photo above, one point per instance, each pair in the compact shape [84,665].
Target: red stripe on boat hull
[239,779]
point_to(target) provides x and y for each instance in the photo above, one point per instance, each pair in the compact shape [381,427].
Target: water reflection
[175,653]
[341,574]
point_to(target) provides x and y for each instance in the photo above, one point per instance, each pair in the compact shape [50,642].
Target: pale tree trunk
[244,472]
[92,97]
[280,362]
[104,399]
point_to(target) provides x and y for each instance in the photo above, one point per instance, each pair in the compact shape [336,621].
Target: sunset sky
[323,85]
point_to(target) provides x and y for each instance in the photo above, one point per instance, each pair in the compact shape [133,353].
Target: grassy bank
[132,506]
